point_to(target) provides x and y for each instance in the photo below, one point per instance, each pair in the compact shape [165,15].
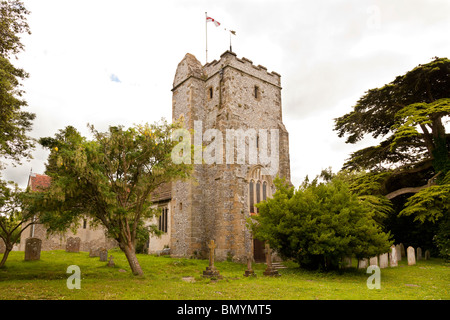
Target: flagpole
[206,35]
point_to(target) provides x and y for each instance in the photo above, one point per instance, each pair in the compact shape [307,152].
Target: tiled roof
[39,182]
[164,192]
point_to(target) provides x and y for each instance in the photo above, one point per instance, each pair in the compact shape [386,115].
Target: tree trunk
[130,253]
[5,256]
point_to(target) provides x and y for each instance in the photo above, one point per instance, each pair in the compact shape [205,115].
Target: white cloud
[328,53]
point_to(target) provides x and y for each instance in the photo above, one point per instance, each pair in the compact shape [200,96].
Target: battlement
[191,67]
[245,65]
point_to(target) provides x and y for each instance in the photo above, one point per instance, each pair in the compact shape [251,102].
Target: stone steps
[278,265]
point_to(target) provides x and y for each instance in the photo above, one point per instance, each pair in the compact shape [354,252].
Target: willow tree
[109,178]
[408,116]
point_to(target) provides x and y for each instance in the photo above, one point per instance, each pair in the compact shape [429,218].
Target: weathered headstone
[347,262]
[249,271]
[384,260]
[33,249]
[363,263]
[73,244]
[373,261]
[94,252]
[111,262]
[411,256]
[399,252]
[402,250]
[211,270]
[393,262]
[103,254]
[270,270]
[427,255]
[419,253]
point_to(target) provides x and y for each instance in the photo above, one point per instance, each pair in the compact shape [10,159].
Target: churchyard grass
[163,279]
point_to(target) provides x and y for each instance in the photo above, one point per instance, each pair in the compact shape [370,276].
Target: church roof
[163,193]
[39,182]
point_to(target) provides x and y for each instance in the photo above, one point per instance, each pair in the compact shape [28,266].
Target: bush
[319,224]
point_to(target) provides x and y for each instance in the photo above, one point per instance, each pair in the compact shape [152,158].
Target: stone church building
[227,95]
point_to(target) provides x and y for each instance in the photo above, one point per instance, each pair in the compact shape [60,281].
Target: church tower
[241,104]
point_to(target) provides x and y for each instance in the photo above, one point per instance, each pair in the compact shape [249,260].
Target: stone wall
[90,237]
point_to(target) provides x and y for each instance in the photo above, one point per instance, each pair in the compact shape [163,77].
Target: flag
[216,23]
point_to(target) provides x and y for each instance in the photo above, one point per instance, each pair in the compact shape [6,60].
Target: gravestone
[73,244]
[373,261]
[419,253]
[270,270]
[94,252]
[363,264]
[111,262]
[346,262]
[249,271]
[211,270]
[402,250]
[103,254]
[384,260]
[427,254]
[399,254]
[33,249]
[393,262]
[411,257]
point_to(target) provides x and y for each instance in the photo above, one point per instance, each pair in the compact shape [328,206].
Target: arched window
[259,187]
[264,191]
[258,192]
[252,201]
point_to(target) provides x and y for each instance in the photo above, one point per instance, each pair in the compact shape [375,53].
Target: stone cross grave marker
[270,270]
[249,271]
[411,257]
[73,244]
[33,249]
[211,270]
[111,262]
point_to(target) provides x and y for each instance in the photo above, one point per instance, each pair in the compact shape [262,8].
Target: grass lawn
[163,279]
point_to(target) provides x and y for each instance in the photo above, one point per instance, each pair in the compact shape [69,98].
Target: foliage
[420,99]
[14,122]
[433,204]
[408,116]
[15,215]
[319,224]
[109,179]
[368,187]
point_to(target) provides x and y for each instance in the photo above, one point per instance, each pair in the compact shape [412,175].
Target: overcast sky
[107,62]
